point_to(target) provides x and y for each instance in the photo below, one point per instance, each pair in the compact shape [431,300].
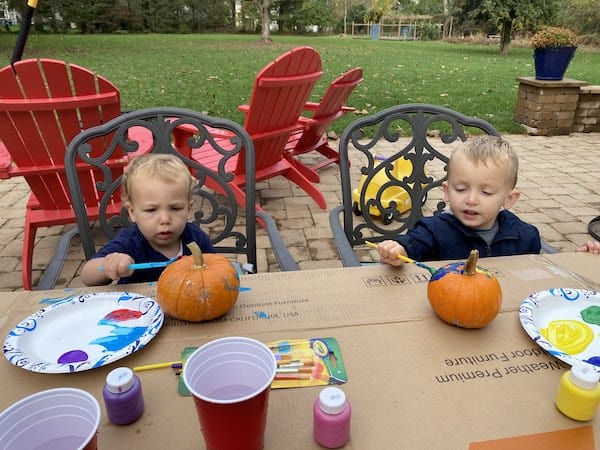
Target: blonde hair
[168,168]
[485,149]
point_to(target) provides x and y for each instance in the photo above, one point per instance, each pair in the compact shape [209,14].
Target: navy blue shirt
[132,242]
[443,236]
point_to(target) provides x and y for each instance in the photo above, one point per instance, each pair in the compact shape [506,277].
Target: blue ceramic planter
[551,63]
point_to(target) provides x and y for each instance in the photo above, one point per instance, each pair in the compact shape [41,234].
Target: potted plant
[553,49]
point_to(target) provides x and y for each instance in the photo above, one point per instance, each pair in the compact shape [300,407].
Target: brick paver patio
[559,179]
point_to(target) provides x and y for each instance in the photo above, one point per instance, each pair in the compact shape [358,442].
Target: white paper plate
[562,322]
[83,332]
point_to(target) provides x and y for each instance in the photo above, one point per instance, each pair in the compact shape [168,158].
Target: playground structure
[404,28]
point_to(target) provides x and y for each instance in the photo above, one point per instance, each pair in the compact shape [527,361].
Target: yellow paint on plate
[569,336]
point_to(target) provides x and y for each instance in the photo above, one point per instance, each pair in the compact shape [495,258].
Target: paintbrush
[149,265]
[159,264]
[431,270]
[172,364]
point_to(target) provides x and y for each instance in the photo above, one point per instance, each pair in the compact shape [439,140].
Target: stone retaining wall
[587,114]
[549,108]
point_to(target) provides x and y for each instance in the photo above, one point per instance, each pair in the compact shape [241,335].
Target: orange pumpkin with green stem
[465,295]
[198,287]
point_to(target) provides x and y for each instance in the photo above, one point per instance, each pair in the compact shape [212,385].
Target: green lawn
[215,73]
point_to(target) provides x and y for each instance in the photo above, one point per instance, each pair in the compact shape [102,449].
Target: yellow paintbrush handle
[431,270]
[173,364]
[405,258]
[371,244]
[399,255]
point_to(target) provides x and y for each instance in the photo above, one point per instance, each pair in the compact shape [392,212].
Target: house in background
[7,16]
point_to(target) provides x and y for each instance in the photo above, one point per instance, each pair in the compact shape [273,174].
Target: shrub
[554,37]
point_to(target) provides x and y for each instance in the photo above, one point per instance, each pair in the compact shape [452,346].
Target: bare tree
[263,7]
[447,20]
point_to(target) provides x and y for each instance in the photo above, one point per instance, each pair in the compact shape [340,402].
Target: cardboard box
[414,381]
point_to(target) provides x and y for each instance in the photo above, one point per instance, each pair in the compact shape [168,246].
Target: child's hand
[590,247]
[388,252]
[116,266]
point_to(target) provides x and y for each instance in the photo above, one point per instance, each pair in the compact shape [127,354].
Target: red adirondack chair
[43,104]
[280,92]
[312,137]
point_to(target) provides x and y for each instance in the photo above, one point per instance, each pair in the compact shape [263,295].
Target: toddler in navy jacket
[480,190]
[157,191]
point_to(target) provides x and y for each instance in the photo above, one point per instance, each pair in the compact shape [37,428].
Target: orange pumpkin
[198,287]
[465,295]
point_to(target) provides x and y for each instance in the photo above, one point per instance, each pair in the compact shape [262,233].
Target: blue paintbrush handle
[149,265]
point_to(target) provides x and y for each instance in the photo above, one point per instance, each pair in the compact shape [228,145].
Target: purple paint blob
[72,356]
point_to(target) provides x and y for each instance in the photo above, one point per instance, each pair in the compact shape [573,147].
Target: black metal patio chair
[393,191]
[232,228]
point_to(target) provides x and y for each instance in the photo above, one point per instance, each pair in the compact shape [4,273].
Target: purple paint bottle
[331,418]
[123,396]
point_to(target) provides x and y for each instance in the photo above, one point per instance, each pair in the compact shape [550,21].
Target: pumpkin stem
[196,255]
[471,264]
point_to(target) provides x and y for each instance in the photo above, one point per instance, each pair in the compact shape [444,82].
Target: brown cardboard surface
[414,381]
[372,294]
[584,265]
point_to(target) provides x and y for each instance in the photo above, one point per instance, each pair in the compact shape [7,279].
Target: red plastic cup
[230,380]
[58,418]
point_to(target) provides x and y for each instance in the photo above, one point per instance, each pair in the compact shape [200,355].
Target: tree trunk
[234,17]
[505,36]
[265,32]
[446,31]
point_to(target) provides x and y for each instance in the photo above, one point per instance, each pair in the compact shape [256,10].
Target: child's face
[161,211]
[476,192]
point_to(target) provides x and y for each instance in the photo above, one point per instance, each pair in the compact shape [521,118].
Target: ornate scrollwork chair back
[399,159]
[232,228]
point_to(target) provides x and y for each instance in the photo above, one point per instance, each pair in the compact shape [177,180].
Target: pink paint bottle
[331,418]
[123,396]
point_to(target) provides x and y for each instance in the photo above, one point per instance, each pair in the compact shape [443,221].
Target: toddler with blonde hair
[480,189]
[157,192]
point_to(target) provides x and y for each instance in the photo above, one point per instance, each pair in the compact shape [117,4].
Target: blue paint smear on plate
[120,337]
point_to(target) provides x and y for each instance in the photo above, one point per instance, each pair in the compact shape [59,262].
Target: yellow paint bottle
[579,392]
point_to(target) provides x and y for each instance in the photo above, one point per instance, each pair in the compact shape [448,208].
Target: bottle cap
[119,380]
[584,376]
[332,400]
